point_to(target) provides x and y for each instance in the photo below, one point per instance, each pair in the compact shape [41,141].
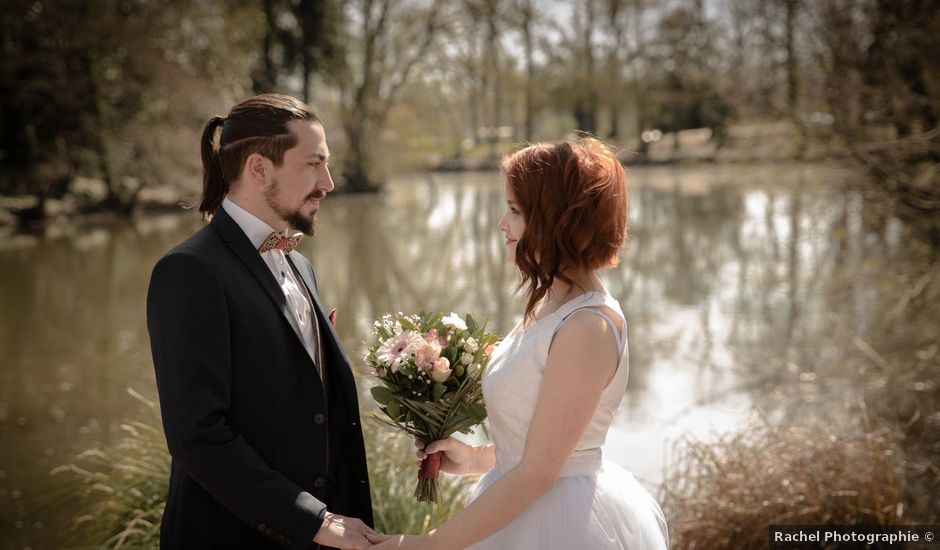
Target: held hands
[457,456]
[342,532]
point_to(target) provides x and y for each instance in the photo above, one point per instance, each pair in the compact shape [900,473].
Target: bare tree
[387,42]
[524,18]
[616,25]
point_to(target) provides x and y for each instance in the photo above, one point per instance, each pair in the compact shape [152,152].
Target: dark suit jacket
[258,450]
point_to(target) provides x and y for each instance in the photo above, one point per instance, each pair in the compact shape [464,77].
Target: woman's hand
[401,542]
[457,457]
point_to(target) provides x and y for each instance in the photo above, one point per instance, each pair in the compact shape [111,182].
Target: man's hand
[342,532]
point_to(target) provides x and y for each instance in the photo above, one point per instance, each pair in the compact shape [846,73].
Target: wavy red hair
[573,197]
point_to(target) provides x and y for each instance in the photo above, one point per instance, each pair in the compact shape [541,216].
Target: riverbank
[18,213]
[764,142]
[771,142]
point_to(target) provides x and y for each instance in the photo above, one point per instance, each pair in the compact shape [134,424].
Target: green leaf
[439,390]
[381,394]
[393,410]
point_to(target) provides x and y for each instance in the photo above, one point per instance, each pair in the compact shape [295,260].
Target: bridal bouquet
[429,367]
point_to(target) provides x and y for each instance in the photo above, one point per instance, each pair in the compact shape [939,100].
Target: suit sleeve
[187,317]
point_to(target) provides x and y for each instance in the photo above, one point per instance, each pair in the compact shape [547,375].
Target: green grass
[121,490]
[716,495]
[393,473]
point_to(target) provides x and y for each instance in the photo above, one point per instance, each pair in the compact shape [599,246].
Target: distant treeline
[117,90]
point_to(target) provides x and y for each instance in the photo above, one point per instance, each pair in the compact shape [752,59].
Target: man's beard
[294,218]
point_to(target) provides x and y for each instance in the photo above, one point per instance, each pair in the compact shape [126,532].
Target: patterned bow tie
[276,241]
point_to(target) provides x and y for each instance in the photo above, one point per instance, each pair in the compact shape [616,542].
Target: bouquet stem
[431,466]
[428,489]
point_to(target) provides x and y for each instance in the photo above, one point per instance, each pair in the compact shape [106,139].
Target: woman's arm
[582,359]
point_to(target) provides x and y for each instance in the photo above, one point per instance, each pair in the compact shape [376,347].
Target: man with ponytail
[259,404]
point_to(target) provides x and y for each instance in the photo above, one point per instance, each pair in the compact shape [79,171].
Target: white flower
[455,322]
[471,345]
[474,368]
[466,359]
[397,349]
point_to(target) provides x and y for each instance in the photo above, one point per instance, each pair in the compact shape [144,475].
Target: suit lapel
[238,242]
[308,279]
[331,338]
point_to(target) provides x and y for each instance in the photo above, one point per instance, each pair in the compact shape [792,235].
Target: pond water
[728,272]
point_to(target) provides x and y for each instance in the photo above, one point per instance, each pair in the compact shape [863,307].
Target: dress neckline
[583,297]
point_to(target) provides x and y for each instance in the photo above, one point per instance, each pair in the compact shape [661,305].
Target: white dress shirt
[257,231]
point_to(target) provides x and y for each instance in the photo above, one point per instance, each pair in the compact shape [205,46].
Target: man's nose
[326,181]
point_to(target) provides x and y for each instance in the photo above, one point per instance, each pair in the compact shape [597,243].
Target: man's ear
[257,168]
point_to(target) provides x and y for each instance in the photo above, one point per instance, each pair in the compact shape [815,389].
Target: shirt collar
[255,229]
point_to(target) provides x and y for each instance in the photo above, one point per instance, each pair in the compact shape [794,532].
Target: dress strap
[619,335]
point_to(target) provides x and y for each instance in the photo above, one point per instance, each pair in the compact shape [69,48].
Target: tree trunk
[642,105]
[357,166]
[588,106]
[113,200]
[306,69]
[530,70]
[793,84]
[614,121]
[492,56]
[37,212]
[265,82]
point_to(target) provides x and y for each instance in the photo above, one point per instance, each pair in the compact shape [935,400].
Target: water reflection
[737,282]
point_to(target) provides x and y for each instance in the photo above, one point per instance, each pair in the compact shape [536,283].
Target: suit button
[319,419]
[319,483]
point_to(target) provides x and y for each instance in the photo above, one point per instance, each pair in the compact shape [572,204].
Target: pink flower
[441,370]
[489,350]
[426,353]
[396,349]
[433,336]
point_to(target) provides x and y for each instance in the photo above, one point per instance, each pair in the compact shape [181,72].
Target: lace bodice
[513,378]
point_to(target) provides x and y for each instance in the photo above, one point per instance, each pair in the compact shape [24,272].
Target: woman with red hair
[554,383]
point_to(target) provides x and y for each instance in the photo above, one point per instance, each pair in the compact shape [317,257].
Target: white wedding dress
[594,504]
